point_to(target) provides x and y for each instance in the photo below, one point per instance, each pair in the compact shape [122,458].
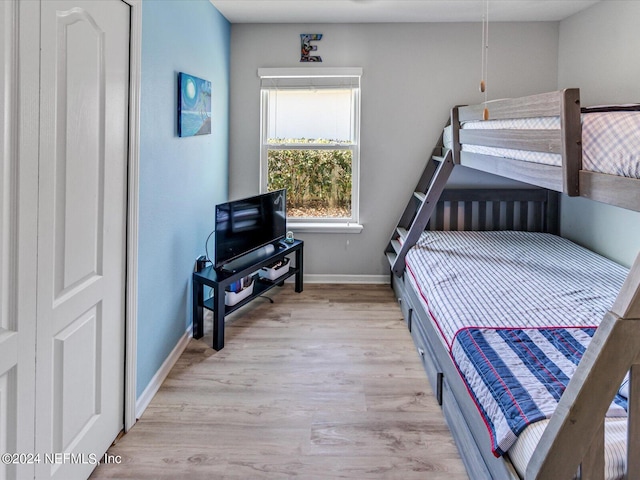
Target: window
[310,143]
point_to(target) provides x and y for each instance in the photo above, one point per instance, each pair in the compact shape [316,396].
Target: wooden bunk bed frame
[569,178]
[572,441]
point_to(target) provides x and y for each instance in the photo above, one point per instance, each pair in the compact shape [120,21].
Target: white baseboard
[329,278]
[154,385]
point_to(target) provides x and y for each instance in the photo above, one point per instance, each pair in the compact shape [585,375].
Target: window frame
[302,75]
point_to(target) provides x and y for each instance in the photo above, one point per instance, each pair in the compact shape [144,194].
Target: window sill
[312,227]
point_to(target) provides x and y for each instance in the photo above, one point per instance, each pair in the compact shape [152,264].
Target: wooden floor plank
[319,385]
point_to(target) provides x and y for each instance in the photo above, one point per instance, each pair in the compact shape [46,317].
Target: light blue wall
[598,52]
[181,179]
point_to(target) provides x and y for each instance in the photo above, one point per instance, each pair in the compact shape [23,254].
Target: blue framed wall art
[194,105]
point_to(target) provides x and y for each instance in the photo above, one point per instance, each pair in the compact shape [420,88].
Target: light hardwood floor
[319,385]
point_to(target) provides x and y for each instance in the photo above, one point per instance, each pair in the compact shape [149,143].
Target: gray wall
[598,52]
[413,75]
[181,179]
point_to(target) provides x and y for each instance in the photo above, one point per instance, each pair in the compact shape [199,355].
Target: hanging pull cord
[485,58]
[482,54]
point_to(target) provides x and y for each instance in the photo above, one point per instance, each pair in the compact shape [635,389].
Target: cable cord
[206,245]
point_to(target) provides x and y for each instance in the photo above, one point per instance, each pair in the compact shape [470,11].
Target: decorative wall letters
[307,48]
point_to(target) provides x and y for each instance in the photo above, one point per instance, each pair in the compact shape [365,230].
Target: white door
[18,233]
[84,67]
[17,320]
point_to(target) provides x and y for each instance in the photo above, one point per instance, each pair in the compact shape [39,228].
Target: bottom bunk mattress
[515,311]
[614,454]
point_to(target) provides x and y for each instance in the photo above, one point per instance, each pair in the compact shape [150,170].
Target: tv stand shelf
[219,280]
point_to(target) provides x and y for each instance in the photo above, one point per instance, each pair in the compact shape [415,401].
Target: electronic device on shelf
[247,225]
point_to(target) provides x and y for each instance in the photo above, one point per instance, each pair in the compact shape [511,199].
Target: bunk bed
[500,290]
[548,140]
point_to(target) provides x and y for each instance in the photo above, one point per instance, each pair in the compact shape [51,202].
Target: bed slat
[496,214]
[439,213]
[482,215]
[505,209]
[547,141]
[546,176]
[509,217]
[453,216]
[468,215]
[542,105]
[553,214]
[536,217]
[524,216]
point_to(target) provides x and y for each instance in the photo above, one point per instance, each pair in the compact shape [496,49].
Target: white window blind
[306,109]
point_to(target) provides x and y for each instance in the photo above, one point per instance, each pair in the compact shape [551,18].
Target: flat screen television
[245,225]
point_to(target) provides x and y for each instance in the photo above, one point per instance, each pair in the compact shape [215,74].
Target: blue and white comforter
[515,310]
[517,376]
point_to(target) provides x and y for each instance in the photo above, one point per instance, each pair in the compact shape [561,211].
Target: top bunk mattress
[610,141]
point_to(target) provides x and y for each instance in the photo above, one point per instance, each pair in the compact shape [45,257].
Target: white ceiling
[393,11]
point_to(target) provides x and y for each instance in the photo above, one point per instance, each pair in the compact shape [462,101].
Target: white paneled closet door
[17,316]
[84,78]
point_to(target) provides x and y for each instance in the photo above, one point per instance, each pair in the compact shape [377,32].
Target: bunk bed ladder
[420,208]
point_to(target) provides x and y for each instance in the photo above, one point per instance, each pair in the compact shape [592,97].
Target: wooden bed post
[573,432]
[592,466]
[571,141]
[633,424]
[552,212]
[627,305]
[455,135]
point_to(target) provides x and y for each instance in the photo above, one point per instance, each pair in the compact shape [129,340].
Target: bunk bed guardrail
[618,187]
[565,141]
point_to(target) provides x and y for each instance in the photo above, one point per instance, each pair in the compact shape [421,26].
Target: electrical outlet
[201,263]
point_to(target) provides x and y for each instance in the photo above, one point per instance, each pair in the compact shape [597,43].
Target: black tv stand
[220,279]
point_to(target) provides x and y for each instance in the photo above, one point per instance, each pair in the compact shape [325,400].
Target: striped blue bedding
[517,376]
[515,310]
